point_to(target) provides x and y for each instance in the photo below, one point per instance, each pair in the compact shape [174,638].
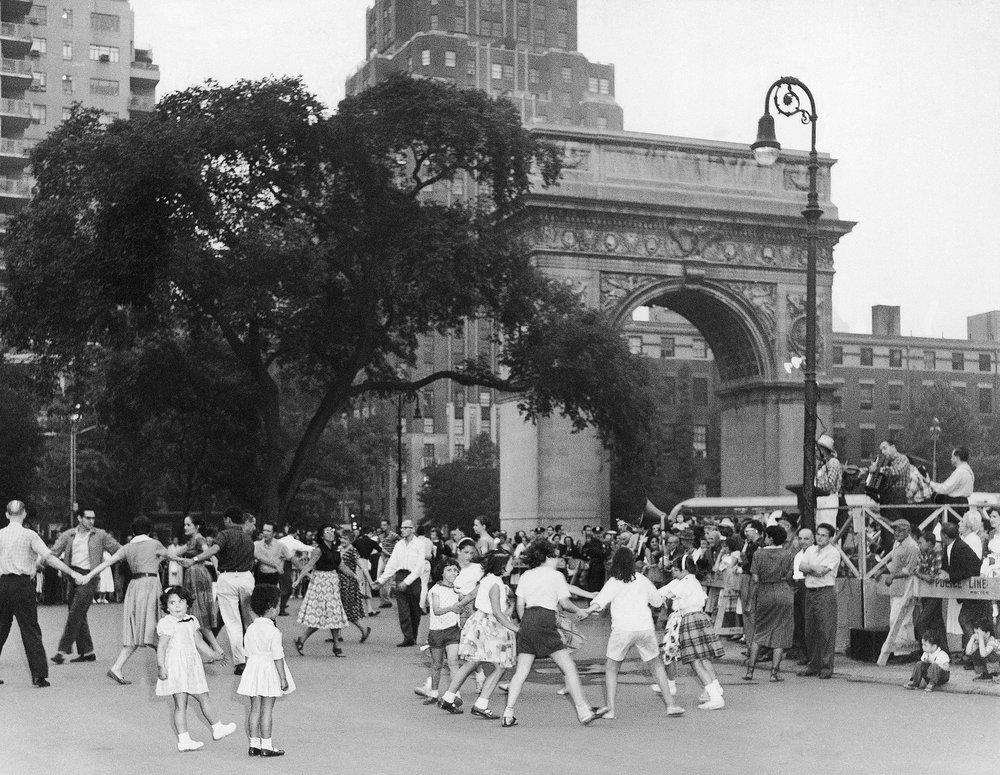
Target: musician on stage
[830,472]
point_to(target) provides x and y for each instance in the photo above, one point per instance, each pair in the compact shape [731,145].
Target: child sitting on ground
[984,651]
[934,665]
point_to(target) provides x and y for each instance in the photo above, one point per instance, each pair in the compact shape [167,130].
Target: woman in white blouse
[541,591]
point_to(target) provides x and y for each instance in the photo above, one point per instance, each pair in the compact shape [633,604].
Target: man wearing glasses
[81,548]
[406,563]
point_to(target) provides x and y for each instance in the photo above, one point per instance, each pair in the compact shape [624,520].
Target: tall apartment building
[524,50]
[56,55]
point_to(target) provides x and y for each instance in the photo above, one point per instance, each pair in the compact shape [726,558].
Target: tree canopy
[311,246]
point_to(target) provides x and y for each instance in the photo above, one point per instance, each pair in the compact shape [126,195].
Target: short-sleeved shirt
[630,602]
[687,594]
[271,556]
[829,558]
[483,602]
[235,550]
[468,578]
[443,597]
[542,587]
[20,550]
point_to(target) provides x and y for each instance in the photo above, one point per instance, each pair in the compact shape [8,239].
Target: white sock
[714,689]
[255,742]
[265,742]
[434,694]
[482,703]
[428,684]
[672,686]
[185,738]
[508,711]
[448,697]
[583,710]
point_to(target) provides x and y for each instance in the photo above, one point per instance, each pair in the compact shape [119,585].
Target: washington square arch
[697,227]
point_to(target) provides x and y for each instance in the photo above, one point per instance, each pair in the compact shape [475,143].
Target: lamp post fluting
[935,431]
[786,95]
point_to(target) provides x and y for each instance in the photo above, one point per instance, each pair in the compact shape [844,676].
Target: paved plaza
[360,715]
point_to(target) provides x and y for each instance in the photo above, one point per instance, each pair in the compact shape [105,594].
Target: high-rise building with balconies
[57,55]
[522,49]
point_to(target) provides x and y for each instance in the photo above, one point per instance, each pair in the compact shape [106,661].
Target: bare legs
[123,655]
[260,717]
[565,664]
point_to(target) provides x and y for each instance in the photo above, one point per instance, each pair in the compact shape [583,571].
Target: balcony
[15,75]
[15,8]
[144,75]
[15,190]
[14,153]
[140,103]
[15,40]
[16,115]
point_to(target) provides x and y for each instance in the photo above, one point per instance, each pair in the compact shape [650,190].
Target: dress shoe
[117,678]
[374,613]
[485,713]
[238,670]
[978,677]
[91,657]
[386,605]
[58,658]
[826,674]
[594,715]
[41,683]
[807,672]
[251,751]
[406,643]
[265,752]
[451,707]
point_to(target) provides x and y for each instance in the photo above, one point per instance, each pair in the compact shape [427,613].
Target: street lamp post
[784,94]
[935,431]
[74,431]
[399,461]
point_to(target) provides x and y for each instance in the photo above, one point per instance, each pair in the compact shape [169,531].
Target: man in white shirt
[406,563]
[805,539]
[960,485]
[819,565]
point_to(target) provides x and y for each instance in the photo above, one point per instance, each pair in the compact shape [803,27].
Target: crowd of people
[496,602]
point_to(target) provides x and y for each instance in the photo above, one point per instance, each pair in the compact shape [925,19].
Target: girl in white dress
[179,667]
[266,675]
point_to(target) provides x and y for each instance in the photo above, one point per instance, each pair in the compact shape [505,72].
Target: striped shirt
[20,550]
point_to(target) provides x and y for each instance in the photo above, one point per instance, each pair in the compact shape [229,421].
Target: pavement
[360,713]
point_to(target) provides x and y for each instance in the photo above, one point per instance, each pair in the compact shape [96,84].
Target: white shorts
[621,641]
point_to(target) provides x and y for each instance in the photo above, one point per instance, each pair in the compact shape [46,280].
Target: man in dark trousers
[958,563]
[406,564]
[20,551]
[81,548]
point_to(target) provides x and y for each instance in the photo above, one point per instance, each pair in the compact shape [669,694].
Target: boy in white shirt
[934,665]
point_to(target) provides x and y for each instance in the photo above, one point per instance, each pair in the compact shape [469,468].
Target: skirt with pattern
[322,607]
[198,581]
[689,637]
[350,596]
[484,639]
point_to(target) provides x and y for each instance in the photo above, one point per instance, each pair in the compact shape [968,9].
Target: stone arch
[736,319]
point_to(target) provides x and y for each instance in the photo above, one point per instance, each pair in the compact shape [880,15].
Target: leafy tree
[455,493]
[21,442]
[959,427]
[311,246]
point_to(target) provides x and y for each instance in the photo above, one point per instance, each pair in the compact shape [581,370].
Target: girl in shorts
[630,595]
[443,635]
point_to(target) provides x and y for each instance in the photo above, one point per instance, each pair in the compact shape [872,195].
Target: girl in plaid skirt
[690,635]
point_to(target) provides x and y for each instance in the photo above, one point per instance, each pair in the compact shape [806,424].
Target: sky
[907,93]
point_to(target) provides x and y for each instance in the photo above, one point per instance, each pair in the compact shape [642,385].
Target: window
[562,40]
[458,187]
[67,84]
[425,57]
[104,53]
[534,76]
[838,355]
[985,362]
[522,8]
[490,6]
[459,449]
[67,18]
[484,398]
[429,452]
[67,49]
[699,391]
[930,360]
[838,398]
[38,114]
[592,85]
[449,58]
[669,391]
[508,72]
[698,348]
[39,81]
[604,85]
[106,117]
[459,24]
[895,398]
[602,122]
[105,22]
[567,74]
[867,357]
[522,34]
[986,400]
[39,15]
[39,46]
[895,358]
[459,404]
[958,388]
[434,21]
[104,87]
[635,345]
[866,396]
[428,425]
[566,99]
[538,36]
[470,68]
[699,441]
[958,361]
[540,12]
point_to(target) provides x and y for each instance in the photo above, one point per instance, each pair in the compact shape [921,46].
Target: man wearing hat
[903,562]
[829,475]
[406,563]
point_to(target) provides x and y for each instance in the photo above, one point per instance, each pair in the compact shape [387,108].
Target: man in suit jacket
[958,563]
[81,548]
